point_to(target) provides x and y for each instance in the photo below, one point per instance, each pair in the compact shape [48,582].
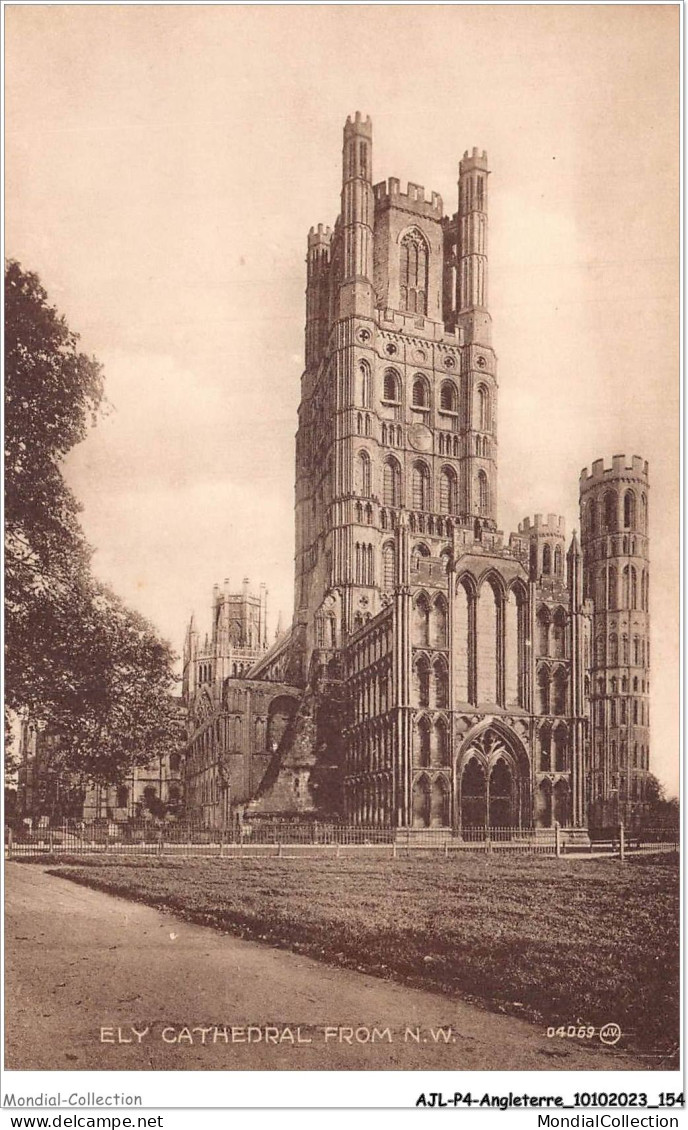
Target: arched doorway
[503,811]
[473,795]
[493,779]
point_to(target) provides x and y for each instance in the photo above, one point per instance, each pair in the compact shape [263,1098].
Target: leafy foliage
[76,658]
[663,811]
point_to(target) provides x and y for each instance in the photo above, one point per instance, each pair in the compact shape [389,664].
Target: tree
[94,672]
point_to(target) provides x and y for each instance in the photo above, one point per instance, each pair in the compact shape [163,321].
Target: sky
[163,167]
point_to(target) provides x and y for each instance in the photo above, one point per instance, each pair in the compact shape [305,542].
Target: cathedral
[437,672]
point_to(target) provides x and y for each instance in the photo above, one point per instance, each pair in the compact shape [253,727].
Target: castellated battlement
[388,193]
[476,160]
[320,236]
[620,468]
[359,126]
[554,526]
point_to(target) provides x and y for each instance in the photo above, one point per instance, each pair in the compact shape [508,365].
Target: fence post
[337,853]
[622,842]
[160,842]
[50,841]
[446,848]
[9,843]
[394,848]
[222,838]
[557,839]
[488,842]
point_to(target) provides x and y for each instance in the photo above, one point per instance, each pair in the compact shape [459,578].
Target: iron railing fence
[265,837]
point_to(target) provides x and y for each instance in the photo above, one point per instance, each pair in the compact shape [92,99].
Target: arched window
[559,704]
[364,384]
[448,491]
[560,742]
[422,743]
[363,474]
[559,634]
[558,561]
[643,513]
[546,560]
[441,743]
[612,588]
[441,685]
[543,631]
[483,409]
[420,487]
[388,565]
[599,651]
[448,397]
[610,510]
[613,651]
[636,650]
[391,386]
[625,657]
[438,623]
[634,587]
[483,493]
[421,395]
[364,564]
[122,796]
[413,273]
[419,550]
[420,636]
[543,690]
[629,510]
[422,680]
[391,483]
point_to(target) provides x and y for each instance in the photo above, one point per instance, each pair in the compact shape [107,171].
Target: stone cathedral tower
[614,521]
[457,651]
[399,394]
[436,673]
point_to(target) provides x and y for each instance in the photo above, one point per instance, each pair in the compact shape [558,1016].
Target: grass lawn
[564,942]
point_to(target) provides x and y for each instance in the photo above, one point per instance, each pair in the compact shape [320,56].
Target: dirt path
[79,961]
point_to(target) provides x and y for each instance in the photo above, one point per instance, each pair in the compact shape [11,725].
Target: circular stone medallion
[420,437]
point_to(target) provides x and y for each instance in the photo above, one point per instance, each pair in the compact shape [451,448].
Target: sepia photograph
[342,539]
